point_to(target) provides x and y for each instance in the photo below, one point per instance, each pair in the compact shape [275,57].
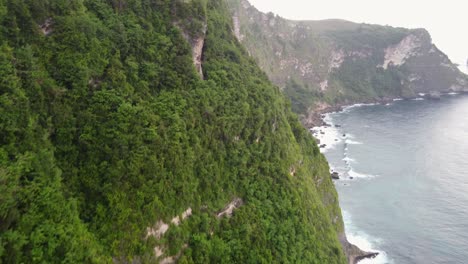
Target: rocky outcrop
[46,27]
[335,175]
[353,253]
[237,30]
[229,209]
[197,52]
[197,43]
[158,231]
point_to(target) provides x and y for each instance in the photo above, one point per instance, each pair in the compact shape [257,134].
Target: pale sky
[446,21]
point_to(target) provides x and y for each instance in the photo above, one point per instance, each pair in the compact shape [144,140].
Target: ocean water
[404,186]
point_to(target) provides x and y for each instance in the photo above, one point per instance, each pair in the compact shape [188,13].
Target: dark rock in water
[366,256]
[321,132]
[335,176]
[323,145]
[336,139]
[351,178]
[344,135]
[337,125]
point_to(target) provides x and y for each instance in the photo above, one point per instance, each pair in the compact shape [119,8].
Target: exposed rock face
[229,209]
[158,231]
[197,43]
[236,23]
[46,27]
[197,52]
[176,220]
[397,54]
[336,59]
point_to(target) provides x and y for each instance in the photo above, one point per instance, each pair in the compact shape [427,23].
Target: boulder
[335,176]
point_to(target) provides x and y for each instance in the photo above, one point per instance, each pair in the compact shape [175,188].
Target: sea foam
[348,160]
[350,107]
[352,142]
[328,135]
[364,242]
[354,174]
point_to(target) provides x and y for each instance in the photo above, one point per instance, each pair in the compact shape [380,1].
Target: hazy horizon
[446,21]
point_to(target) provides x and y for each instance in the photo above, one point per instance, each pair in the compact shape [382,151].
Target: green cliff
[138,131]
[319,64]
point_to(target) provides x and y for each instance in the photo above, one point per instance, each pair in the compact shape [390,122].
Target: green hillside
[113,149]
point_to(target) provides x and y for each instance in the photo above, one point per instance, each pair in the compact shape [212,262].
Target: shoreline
[314,117]
[354,253]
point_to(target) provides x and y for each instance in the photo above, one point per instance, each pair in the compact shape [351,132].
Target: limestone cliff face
[334,62]
[197,43]
[398,54]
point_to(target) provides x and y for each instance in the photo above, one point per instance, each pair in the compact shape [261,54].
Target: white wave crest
[354,174]
[352,142]
[418,99]
[348,160]
[348,108]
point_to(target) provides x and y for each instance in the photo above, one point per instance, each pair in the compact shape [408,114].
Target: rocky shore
[315,115]
[315,119]
[353,253]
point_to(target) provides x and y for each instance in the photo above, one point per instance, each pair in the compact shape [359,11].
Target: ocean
[404,178]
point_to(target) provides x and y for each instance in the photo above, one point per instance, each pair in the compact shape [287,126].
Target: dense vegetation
[106,128]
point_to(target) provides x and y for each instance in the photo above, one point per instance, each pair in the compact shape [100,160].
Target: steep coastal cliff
[322,64]
[114,150]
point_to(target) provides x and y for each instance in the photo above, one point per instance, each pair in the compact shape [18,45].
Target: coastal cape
[324,64]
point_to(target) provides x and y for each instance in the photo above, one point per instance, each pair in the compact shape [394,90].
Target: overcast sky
[447,20]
